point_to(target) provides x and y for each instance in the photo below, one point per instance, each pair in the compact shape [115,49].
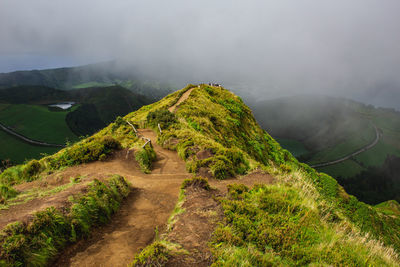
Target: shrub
[145,157]
[117,123]
[196,182]
[12,175]
[193,124]
[163,117]
[156,254]
[31,169]
[91,149]
[7,192]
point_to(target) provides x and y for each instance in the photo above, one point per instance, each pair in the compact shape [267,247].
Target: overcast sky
[343,47]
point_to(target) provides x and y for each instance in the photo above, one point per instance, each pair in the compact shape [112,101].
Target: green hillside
[36,122]
[25,110]
[303,218]
[331,128]
[94,75]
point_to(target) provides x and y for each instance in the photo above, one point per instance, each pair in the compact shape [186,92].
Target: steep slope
[25,110]
[298,217]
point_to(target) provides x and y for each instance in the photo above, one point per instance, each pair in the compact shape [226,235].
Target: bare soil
[194,227]
[147,208]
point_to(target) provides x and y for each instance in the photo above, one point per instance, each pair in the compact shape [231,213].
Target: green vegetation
[306,217]
[275,225]
[331,128]
[145,156]
[38,241]
[92,84]
[162,117]
[156,254]
[18,151]
[36,122]
[87,150]
[345,169]
[24,109]
[199,182]
[7,192]
[307,214]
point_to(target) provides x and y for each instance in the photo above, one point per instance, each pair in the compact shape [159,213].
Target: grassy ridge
[216,123]
[213,119]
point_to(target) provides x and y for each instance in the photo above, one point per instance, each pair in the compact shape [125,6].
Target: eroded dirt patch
[195,226]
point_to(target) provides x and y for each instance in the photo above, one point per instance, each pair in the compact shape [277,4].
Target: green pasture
[18,151]
[345,169]
[37,122]
[350,145]
[295,147]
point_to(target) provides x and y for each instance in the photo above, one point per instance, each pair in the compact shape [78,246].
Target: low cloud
[271,48]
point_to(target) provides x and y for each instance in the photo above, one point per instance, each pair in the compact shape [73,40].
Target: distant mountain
[93,75]
[96,106]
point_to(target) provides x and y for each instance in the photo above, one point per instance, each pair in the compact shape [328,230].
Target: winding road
[363,149]
[27,139]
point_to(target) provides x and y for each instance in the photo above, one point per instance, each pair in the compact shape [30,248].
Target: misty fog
[268,48]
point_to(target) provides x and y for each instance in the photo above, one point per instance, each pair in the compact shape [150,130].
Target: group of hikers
[214,84]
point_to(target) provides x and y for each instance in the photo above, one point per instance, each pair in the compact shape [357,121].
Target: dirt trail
[183,98]
[148,207]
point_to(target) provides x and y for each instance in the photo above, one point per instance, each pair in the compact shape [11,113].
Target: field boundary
[361,150]
[27,139]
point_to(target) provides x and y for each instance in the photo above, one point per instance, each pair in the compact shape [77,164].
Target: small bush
[91,149]
[163,117]
[145,157]
[196,182]
[117,123]
[156,254]
[12,175]
[7,192]
[31,170]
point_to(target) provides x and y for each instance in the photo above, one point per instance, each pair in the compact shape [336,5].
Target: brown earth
[194,227]
[148,208]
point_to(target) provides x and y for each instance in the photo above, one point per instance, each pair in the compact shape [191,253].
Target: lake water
[65,105]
